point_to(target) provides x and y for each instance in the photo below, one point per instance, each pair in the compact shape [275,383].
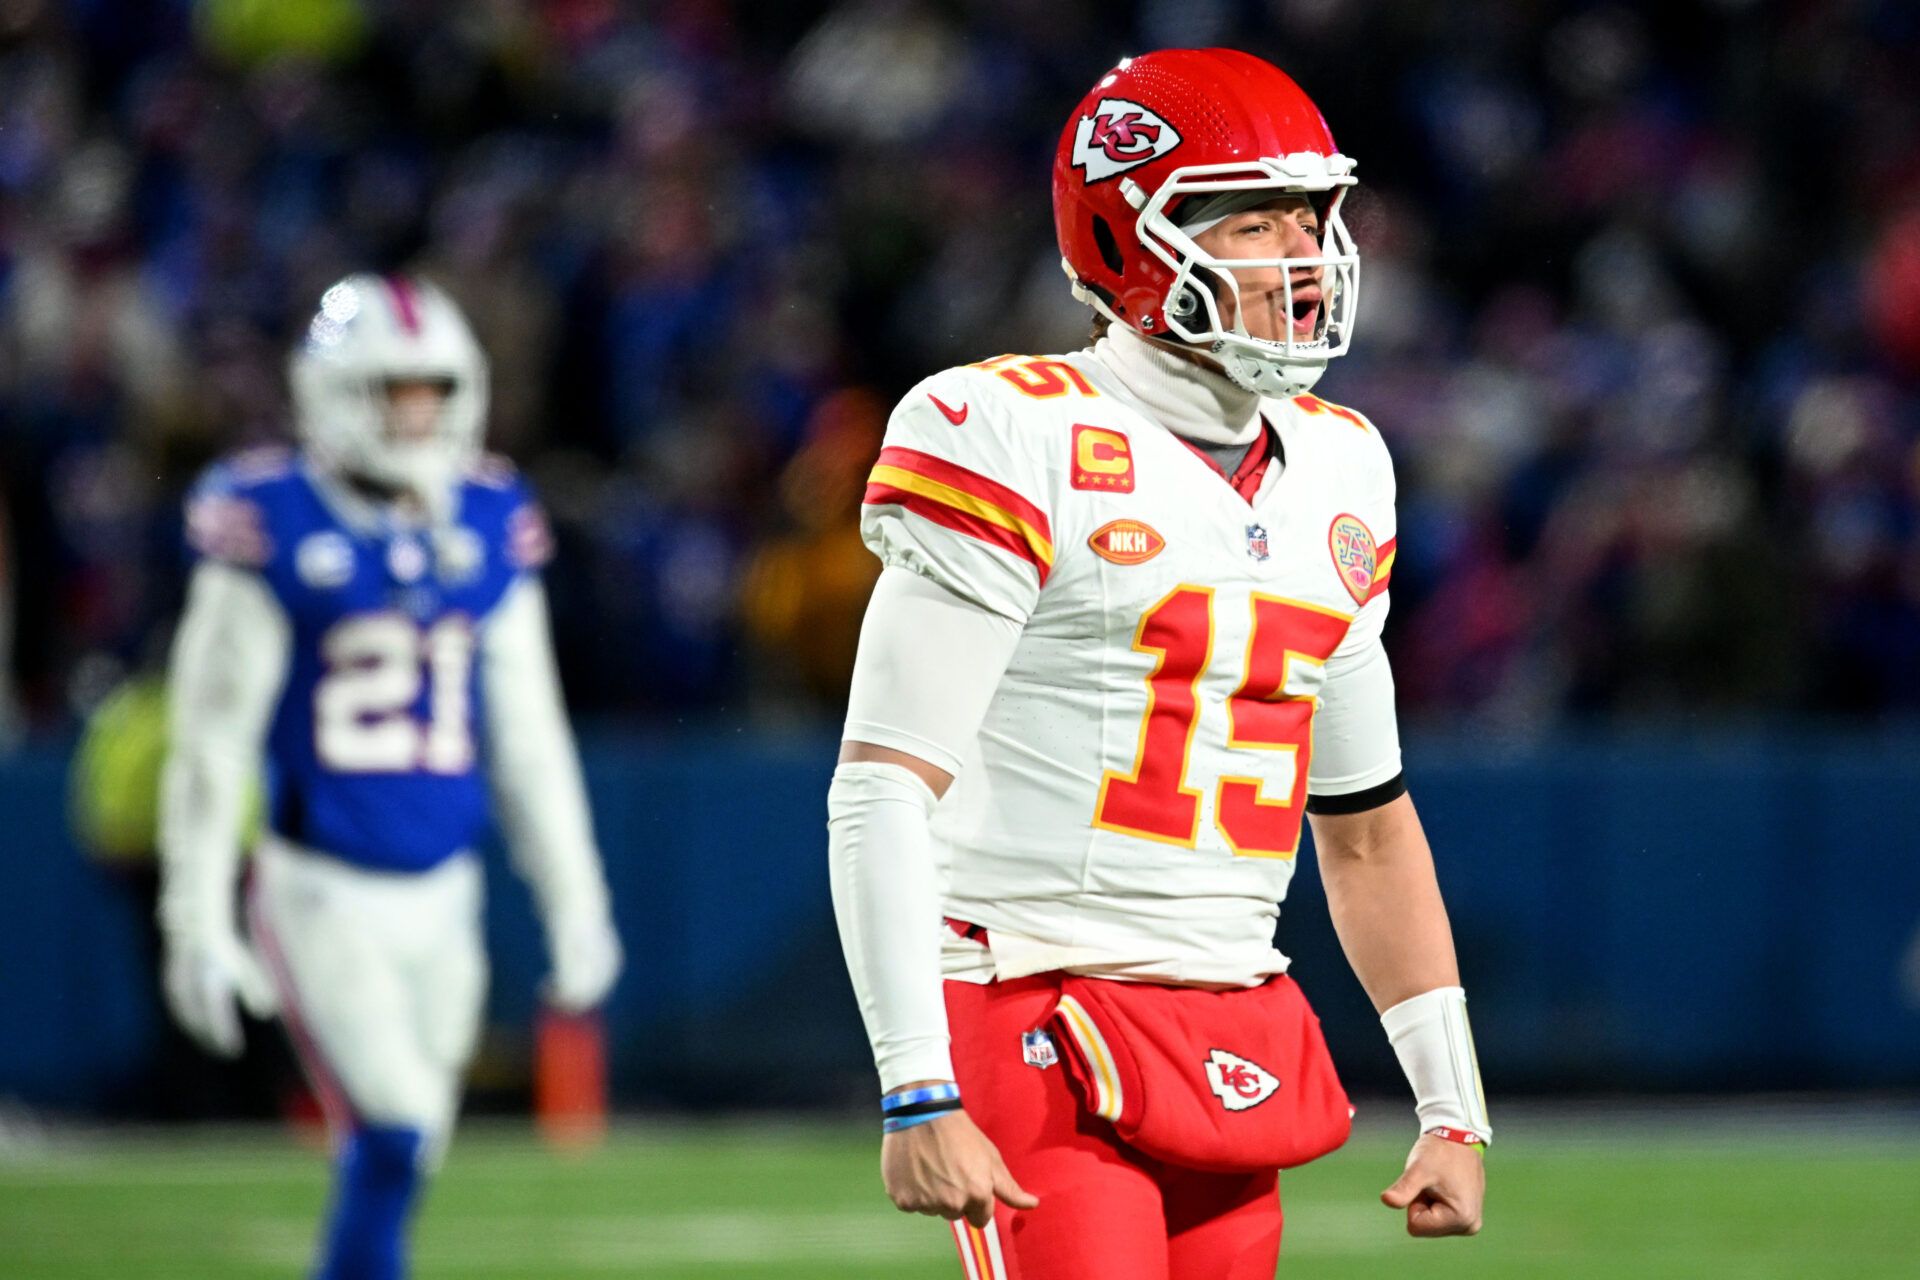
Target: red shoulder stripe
[950,517]
[1383,566]
[959,477]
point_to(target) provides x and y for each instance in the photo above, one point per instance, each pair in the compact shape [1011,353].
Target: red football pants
[1106,1211]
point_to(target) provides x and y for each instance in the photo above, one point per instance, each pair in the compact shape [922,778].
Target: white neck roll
[1188,399]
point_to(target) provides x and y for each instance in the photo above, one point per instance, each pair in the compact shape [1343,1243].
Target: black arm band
[1360,801]
[925,1108]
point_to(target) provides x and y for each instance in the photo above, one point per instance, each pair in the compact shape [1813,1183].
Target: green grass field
[1596,1197]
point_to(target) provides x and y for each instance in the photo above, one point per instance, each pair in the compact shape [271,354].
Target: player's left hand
[1442,1189]
[205,979]
[587,960]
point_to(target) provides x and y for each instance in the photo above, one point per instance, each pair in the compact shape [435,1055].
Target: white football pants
[381,978]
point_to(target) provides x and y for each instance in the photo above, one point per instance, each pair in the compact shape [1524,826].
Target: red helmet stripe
[406,304]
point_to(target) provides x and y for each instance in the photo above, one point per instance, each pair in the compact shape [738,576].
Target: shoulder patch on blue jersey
[224,526]
[494,472]
[224,520]
[261,465]
[501,506]
[529,537]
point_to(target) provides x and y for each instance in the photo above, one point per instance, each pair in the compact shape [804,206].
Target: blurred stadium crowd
[1640,310]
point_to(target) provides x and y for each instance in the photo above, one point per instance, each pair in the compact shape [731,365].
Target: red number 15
[1154,800]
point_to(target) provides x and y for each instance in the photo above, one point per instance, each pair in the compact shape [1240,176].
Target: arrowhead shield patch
[1119,136]
[1355,555]
[1237,1082]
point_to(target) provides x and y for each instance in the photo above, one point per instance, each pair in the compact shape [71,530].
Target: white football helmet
[369,333]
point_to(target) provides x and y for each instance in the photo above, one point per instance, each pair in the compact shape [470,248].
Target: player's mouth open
[1306,312]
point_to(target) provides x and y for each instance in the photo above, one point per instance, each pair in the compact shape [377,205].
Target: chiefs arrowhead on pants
[1153,1135]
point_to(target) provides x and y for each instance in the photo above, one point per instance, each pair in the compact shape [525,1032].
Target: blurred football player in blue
[367,614]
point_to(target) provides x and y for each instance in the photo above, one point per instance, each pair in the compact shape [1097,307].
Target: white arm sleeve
[533,764]
[886,898]
[928,666]
[230,662]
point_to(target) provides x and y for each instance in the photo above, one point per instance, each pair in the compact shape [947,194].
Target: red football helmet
[1164,131]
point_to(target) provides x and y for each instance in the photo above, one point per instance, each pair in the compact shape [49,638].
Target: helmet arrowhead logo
[1119,136]
[1238,1083]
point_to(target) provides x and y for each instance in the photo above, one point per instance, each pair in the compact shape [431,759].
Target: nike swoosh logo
[955,418]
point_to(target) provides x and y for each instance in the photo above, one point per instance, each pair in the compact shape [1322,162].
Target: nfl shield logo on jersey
[1238,1083]
[406,559]
[1257,541]
[1037,1048]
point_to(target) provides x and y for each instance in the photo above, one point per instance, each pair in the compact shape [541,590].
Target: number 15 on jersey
[1157,800]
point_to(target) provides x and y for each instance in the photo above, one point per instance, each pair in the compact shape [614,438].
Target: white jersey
[1133,801]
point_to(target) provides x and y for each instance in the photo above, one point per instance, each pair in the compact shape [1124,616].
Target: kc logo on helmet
[1119,136]
[1238,1083]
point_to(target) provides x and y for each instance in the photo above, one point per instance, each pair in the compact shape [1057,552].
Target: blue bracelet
[914,1097]
[895,1125]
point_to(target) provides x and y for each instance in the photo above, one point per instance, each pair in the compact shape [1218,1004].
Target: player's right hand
[1442,1189]
[204,979]
[949,1169]
[587,960]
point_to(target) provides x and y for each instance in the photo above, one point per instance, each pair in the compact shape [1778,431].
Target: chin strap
[1249,371]
[1267,376]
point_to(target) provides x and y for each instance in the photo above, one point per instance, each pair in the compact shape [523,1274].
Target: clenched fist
[1442,1189]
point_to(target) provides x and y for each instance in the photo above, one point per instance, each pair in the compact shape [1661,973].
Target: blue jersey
[373,753]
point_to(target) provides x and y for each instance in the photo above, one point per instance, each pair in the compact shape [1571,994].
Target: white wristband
[1434,1043]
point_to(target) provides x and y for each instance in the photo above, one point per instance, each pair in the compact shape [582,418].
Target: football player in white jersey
[367,615]
[1126,640]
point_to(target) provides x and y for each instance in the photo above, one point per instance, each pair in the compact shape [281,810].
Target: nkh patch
[1127,542]
[1119,136]
[1257,541]
[1355,555]
[1036,1048]
[1237,1082]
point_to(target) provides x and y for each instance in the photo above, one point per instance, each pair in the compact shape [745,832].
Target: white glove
[203,978]
[586,961]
